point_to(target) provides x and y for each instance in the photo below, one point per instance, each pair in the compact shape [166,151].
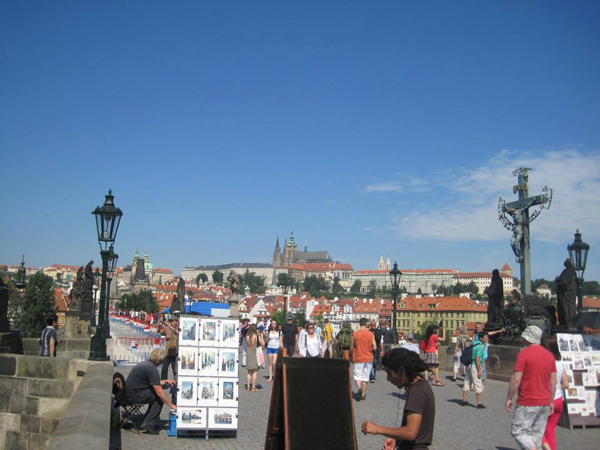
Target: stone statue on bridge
[566,291]
[234,282]
[495,293]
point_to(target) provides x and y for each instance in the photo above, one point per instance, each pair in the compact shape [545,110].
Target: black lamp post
[97,281]
[112,265]
[578,252]
[108,218]
[395,275]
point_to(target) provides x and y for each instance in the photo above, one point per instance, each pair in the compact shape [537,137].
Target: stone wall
[69,348]
[35,392]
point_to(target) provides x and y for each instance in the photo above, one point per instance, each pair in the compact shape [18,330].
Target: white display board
[580,355]
[208,386]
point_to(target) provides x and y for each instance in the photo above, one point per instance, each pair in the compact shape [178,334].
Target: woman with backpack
[430,346]
[462,342]
[274,343]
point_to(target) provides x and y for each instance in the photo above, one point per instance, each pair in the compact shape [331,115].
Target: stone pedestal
[234,305]
[76,328]
[11,342]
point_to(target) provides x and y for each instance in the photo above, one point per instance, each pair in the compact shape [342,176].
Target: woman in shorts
[274,343]
[432,342]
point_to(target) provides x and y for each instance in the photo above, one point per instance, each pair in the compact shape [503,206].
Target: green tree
[278,316]
[217,277]
[38,305]
[255,283]
[337,287]
[201,278]
[356,287]
[372,288]
[315,285]
[141,301]
[286,282]
[590,288]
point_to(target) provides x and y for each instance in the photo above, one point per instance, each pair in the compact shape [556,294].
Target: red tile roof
[61,299]
[591,303]
[478,275]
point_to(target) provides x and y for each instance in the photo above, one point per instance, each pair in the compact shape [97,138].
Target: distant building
[483,279]
[413,280]
[260,269]
[290,254]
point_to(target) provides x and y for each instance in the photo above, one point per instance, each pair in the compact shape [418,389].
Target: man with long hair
[405,370]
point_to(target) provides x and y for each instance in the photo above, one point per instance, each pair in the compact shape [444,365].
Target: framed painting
[188,331]
[187,394]
[223,418]
[229,334]
[228,363]
[228,392]
[188,358]
[191,418]
[209,333]
[208,361]
[208,391]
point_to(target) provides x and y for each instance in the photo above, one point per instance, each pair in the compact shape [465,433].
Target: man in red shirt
[363,346]
[535,379]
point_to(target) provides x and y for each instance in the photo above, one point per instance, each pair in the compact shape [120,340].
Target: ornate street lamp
[578,252]
[112,266]
[97,281]
[395,275]
[108,218]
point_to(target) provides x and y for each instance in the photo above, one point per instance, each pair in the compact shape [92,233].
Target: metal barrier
[136,349]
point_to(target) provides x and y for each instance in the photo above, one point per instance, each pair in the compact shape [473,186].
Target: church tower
[289,252]
[388,264]
[381,265]
[277,254]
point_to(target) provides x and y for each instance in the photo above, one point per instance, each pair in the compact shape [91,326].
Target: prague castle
[290,254]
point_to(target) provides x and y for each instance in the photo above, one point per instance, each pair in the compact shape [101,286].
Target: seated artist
[404,370]
[145,386]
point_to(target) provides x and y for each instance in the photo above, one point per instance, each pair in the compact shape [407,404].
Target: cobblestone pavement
[456,427]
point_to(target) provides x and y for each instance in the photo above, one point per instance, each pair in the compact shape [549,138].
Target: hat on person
[290,317]
[410,336]
[532,334]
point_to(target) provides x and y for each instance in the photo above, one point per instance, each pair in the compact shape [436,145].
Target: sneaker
[360,392]
[480,407]
[373,381]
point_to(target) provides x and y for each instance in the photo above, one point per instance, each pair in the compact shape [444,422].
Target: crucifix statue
[519,225]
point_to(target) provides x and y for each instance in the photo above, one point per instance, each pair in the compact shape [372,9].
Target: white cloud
[407,183]
[468,198]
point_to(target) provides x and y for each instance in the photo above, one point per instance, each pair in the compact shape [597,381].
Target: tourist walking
[474,370]
[49,339]
[462,342]
[171,330]
[534,378]
[363,345]
[432,342]
[290,336]
[404,370]
[274,343]
[254,341]
[410,343]
[344,341]
[388,337]
[327,340]
[243,331]
[378,352]
[309,344]
[562,383]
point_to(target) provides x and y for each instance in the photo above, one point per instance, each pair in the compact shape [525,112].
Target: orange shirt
[363,346]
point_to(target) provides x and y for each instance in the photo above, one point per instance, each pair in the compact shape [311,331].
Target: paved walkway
[456,427]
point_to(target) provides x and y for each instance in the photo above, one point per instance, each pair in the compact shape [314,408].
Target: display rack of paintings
[207,395]
[581,358]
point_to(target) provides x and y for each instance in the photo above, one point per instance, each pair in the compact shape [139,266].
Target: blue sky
[370,128]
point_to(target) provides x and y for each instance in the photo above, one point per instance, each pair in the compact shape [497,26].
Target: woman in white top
[309,345]
[274,343]
[562,383]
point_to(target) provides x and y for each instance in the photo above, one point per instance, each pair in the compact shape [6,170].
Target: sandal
[254,390]
[439,383]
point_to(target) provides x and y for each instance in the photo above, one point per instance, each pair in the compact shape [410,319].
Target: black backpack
[466,359]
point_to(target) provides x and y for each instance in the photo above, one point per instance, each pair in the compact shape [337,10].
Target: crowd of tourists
[539,378]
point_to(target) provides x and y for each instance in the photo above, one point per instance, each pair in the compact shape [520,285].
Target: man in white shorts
[363,346]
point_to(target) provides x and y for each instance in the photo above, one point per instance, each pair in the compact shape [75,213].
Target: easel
[316,390]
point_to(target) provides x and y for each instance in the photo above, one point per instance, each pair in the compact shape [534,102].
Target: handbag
[260,357]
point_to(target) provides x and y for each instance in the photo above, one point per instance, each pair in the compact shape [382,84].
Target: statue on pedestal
[75,294]
[234,282]
[566,291]
[495,293]
[87,292]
